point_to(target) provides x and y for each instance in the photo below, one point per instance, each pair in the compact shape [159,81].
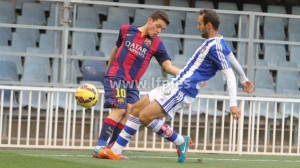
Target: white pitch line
[165,157]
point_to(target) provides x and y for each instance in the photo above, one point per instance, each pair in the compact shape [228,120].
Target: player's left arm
[169,68]
[248,86]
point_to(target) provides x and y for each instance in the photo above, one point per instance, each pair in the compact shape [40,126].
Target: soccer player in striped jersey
[129,60]
[211,56]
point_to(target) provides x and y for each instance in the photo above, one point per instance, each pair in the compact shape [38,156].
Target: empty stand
[287,81]
[274,53]
[16,59]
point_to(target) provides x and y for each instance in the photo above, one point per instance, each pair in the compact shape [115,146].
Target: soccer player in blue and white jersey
[213,55]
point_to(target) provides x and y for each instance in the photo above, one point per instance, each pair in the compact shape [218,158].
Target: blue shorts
[118,93]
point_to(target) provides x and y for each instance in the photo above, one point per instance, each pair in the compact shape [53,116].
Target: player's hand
[248,87]
[203,84]
[235,112]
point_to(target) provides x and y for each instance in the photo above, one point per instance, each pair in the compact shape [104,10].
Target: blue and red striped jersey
[134,54]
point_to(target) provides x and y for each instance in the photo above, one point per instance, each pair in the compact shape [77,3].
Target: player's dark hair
[212,17]
[159,14]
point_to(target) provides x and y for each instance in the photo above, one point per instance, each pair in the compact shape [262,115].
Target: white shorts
[170,98]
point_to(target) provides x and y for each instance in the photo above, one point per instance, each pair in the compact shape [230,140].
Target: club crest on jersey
[202,50]
[148,42]
[120,101]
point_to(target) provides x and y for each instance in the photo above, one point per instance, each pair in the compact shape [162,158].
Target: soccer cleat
[108,154]
[96,151]
[182,149]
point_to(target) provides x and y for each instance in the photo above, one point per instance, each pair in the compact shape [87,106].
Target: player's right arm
[112,56]
[232,91]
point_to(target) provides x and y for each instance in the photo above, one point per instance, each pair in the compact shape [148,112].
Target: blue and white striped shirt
[210,57]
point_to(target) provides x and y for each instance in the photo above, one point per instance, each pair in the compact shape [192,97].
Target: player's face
[155,27]
[202,27]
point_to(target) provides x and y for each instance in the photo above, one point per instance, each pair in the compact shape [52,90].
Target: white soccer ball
[86,95]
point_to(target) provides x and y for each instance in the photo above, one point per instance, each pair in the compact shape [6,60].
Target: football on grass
[86,95]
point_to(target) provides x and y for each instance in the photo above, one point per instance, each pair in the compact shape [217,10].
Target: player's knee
[145,119]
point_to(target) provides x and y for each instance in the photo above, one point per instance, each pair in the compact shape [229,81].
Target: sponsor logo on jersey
[136,48]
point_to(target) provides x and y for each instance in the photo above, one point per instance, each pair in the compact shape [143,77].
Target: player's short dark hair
[212,17]
[159,14]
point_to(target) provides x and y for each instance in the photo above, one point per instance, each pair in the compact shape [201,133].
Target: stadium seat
[55,9]
[254,8]
[215,85]
[46,5]
[191,23]
[130,10]
[180,3]
[107,43]
[273,29]
[190,46]
[141,16]
[274,53]
[47,43]
[175,20]
[73,53]
[88,13]
[24,20]
[94,53]
[8,70]
[226,27]
[229,6]
[293,25]
[155,2]
[38,60]
[7,11]
[83,41]
[294,54]
[34,11]
[19,3]
[180,60]
[279,10]
[21,40]
[171,47]
[111,25]
[152,77]
[263,80]
[71,73]
[296,10]
[287,81]
[3,39]
[102,9]
[120,15]
[5,32]
[16,59]
[204,4]
[94,72]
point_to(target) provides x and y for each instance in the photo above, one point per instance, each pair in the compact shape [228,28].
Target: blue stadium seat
[111,25]
[102,9]
[19,3]
[154,2]
[141,16]
[294,55]
[274,53]
[226,27]
[296,10]
[94,72]
[171,47]
[273,29]
[84,41]
[120,15]
[204,4]
[254,8]
[88,13]
[180,60]
[3,39]
[107,43]
[47,43]
[190,46]
[34,11]
[21,40]
[24,20]
[55,9]
[229,6]
[16,59]
[152,77]
[5,32]
[71,72]
[7,11]
[38,60]
[287,81]
[92,54]
[130,10]
[263,80]
[8,70]
[293,25]
[191,23]
[216,85]
[279,10]
[180,3]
